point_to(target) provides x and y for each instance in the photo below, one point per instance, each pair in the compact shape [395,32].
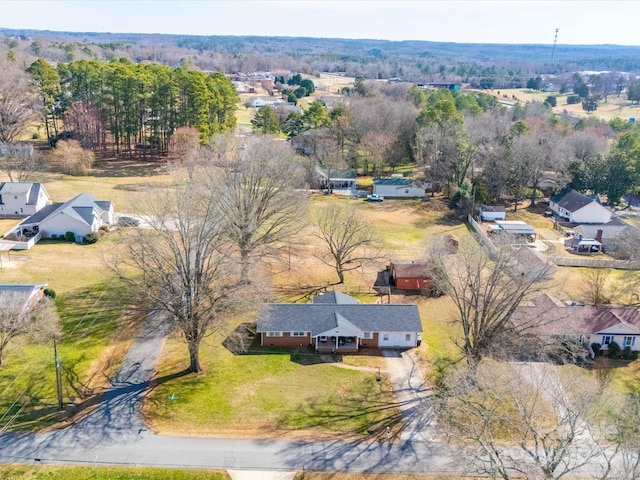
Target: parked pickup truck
[374,198]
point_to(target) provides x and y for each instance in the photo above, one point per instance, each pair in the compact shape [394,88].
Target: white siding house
[578,208]
[397,188]
[81,215]
[25,199]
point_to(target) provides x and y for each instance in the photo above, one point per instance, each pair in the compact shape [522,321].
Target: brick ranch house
[338,323]
[584,325]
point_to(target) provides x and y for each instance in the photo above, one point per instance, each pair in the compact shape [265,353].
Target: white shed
[490,213]
[397,188]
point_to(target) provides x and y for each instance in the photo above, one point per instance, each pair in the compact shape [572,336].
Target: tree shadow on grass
[364,412]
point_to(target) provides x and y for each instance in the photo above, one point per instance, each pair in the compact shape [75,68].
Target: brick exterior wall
[286,340]
[370,342]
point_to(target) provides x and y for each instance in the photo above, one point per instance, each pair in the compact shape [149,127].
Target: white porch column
[337,341]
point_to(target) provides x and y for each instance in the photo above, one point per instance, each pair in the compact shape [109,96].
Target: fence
[596,263]
[21,245]
[482,235]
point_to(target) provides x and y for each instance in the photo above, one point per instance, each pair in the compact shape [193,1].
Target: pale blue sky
[515,21]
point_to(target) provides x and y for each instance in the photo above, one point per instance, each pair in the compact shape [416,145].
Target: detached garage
[397,187]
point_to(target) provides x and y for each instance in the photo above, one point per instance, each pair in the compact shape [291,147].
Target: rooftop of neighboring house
[22,188]
[81,207]
[337,173]
[411,268]
[393,181]
[552,319]
[572,201]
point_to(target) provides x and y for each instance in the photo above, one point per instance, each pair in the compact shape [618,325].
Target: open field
[614,107]
[20,472]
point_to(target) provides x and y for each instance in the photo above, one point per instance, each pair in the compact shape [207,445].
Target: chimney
[599,235]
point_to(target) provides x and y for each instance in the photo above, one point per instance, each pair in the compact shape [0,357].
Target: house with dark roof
[22,199]
[583,324]
[338,323]
[338,180]
[575,207]
[81,215]
[397,187]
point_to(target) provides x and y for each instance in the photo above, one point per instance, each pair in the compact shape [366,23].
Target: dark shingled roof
[335,298]
[322,317]
[571,200]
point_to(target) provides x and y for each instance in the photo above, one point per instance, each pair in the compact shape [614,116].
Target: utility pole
[58,377]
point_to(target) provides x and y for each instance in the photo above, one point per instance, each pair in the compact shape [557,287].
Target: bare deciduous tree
[594,286]
[17,102]
[19,161]
[522,421]
[349,239]
[69,157]
[18,318]
[486,291]
[262,208]
[181,261]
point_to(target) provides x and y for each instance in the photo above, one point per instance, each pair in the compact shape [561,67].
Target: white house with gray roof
[338,323]
[22,199]
[578,208]
[81,215]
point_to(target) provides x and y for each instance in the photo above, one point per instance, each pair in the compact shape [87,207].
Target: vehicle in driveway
[374,197]
[128,222]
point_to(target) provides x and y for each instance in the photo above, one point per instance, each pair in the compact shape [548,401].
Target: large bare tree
[523,421]
[486,291]
[18,318]
[262,208]
[349,239]
[181,261]
[19,161]
[17,102]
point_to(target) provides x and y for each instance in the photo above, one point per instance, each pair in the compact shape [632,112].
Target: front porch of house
[337,344]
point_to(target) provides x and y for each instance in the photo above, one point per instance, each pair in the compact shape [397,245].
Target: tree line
[465,143]
[130,108]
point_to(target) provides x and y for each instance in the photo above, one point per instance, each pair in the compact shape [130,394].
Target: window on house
[368,335]
[298,334]
[274,334]
[385,337]
[629,341]
[15,197]
[406,191]
[323,338]
[607,339]
[407,337]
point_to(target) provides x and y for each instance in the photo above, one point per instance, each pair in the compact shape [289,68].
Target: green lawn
[266,394]
[89,350]
[91,303]
[19,472]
